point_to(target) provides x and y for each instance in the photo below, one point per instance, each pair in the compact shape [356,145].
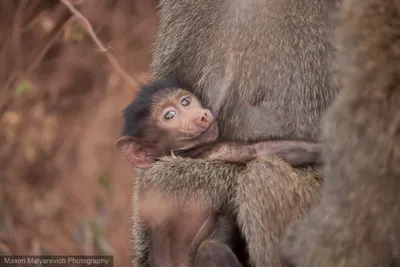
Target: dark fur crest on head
[135,114]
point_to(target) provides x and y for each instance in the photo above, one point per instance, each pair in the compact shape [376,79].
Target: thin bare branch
[18,73]
[47,47]
[89,29]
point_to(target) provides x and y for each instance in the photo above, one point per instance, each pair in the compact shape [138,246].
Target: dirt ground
[64,187]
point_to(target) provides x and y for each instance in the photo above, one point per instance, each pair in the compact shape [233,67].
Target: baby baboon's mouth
[210,133]
[207,136]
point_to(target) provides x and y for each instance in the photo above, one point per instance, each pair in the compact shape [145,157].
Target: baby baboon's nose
[207,117]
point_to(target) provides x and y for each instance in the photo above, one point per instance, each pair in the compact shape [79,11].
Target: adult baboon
[264,67]
[358,220]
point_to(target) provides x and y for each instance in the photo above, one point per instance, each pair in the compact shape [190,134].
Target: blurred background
[64,187]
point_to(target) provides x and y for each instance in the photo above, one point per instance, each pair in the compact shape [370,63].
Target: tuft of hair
[137,114]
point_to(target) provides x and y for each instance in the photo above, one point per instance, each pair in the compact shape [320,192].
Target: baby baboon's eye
[169,115]
[185,101]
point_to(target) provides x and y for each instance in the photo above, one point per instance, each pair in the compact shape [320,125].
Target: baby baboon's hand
[296,153]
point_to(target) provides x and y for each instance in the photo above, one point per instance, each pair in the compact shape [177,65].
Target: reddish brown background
[64,187]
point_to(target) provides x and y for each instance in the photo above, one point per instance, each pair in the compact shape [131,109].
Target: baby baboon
[164,117]
[263,69]
[358,220]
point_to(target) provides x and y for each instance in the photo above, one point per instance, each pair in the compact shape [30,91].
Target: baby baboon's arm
[296,153]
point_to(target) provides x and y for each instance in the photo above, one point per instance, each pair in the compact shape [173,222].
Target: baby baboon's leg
[176,227]
[214,253]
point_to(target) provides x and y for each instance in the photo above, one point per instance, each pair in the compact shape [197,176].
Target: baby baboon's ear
[136,152]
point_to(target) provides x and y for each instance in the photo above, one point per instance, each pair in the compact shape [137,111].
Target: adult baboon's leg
[270,195]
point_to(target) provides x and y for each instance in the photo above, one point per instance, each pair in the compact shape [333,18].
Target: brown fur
[358,220]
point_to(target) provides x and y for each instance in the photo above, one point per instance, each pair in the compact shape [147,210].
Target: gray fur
[358,220]
[273,53]
[265,195]
[276,53]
